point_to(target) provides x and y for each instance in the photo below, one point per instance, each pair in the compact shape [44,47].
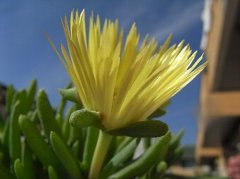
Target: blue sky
[26,54]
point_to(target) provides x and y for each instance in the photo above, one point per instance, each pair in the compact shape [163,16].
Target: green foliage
[148,128]
[85,118]
[65,156]
[150,158]
[38,141]
[89,146]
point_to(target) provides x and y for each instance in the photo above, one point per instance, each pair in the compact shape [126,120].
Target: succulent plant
[38,141]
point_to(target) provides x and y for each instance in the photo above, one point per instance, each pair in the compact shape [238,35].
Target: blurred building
[218,133]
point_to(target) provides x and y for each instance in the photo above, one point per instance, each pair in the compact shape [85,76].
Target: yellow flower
[124,82]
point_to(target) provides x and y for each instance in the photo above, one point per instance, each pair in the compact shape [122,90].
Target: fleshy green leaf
[22,97]
[19,170]
[85,118]
[36,142]
[178,152]
[158,113]
[75,149]
[64,155]
[175,141]
[9,96]
[89,147]
[52,173]
[27,161]
[62,104]
[123,143]
[161,167]
[5,137]
[75,134]
[153,155]
[66,127]
[61,107]
[149,128]
[119,158]
[70,94]
[146,142]
[31,92]
[14,133]
[46,114]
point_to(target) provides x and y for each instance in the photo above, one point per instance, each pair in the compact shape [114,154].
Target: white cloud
[179,21]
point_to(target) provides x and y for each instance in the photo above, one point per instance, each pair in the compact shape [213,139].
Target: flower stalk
[102,147]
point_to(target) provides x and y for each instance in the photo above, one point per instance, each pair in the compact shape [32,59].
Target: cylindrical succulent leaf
[65,156]
[14,133]
[46,114]
[37,143]
[145,162]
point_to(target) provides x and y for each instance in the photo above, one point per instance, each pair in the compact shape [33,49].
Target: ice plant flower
[124,81]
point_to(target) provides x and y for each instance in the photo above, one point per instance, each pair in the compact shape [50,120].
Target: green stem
[102,146]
